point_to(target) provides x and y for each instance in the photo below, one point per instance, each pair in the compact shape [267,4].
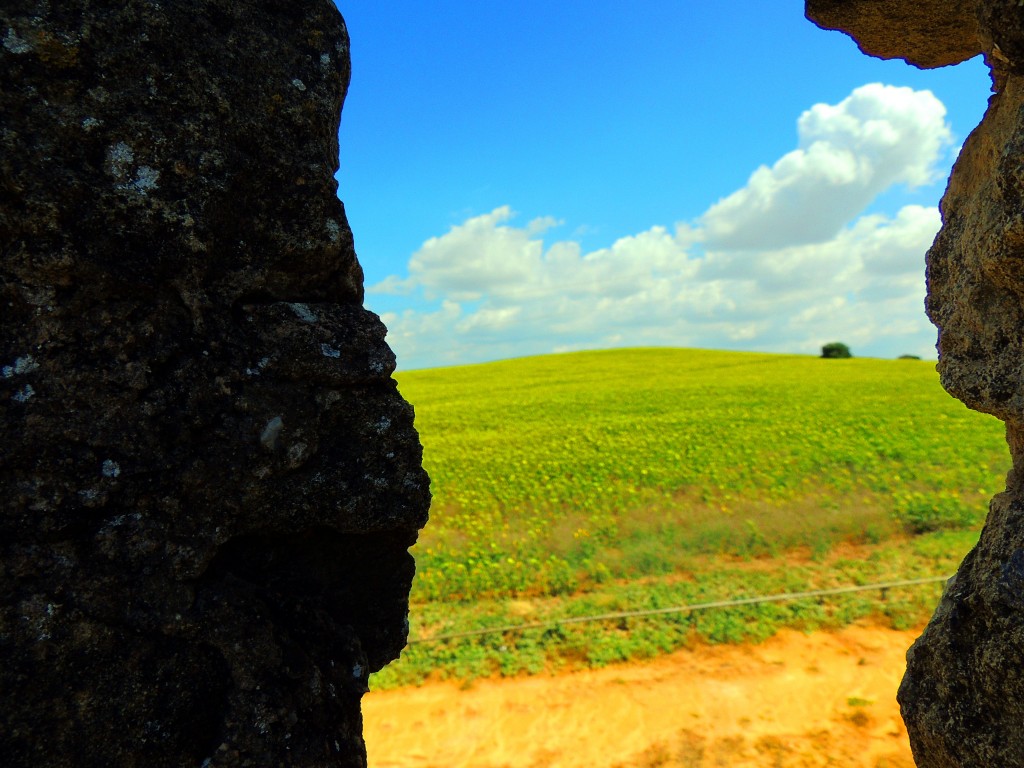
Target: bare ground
[796,701]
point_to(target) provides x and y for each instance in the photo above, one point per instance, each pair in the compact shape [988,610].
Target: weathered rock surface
[963,694]
[209,480]
[927,33]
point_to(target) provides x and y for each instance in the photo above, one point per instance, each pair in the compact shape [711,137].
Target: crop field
[615,478]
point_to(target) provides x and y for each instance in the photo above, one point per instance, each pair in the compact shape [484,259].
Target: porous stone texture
[208,479]
[963,694]
[931,33]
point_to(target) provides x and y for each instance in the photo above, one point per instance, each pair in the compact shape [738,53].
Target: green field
[625,479]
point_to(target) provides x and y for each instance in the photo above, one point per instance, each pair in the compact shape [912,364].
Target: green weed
[575,483]
[554,473]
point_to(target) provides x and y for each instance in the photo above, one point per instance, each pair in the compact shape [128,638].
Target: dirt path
[826,699]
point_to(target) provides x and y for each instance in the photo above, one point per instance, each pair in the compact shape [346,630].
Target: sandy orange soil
[825,699]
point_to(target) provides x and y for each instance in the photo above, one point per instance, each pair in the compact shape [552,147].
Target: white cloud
[489,320]
[478,257]
[499,290]
[484,257]
[865,284]
[848,153]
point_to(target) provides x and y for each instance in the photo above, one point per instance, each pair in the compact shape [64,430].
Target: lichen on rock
[963,694]
[204,532]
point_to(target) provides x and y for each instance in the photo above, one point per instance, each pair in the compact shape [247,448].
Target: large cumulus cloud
[786,263]
[848,153]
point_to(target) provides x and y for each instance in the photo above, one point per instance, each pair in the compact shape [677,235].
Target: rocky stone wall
[963,694]
[209,480]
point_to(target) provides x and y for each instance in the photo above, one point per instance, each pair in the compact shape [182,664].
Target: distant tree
[909,357]
[835,349]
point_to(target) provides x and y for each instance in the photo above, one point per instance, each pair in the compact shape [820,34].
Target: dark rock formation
[963,695]
[931,33]
[209,480]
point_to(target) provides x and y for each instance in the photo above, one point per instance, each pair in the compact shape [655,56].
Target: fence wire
[680,609]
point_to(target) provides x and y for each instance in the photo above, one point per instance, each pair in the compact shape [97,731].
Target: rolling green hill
[550,472]
[603,480]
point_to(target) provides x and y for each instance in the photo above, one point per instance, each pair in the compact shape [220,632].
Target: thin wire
[680,609]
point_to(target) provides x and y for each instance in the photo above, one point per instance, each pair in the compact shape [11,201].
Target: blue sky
[524,178]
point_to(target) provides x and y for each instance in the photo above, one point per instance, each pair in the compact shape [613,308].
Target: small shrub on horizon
[835,350]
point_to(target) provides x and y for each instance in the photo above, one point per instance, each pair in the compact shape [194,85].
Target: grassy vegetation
[602,481]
